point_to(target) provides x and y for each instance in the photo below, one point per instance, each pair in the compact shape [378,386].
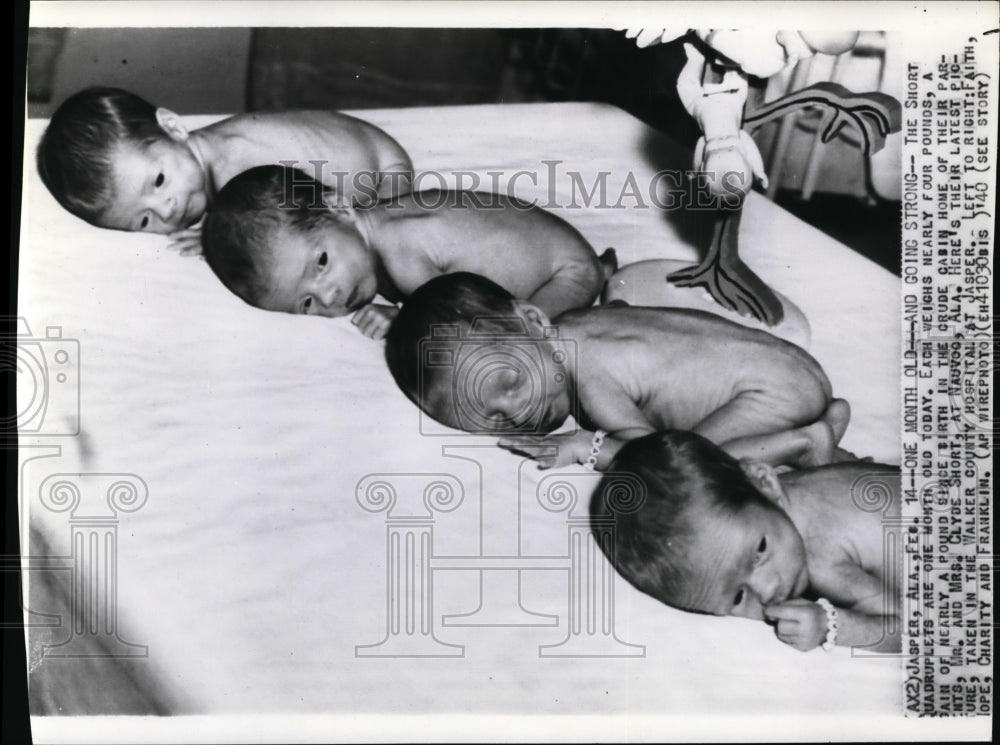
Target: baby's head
[474,358]
[116,161]
[703,538]
[275,239]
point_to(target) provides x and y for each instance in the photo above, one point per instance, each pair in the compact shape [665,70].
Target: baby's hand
[373,320]
[798,622]
[187,242]
[551,451]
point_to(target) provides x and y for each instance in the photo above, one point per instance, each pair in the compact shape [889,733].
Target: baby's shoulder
[296,122]
[860,486]
[848,503]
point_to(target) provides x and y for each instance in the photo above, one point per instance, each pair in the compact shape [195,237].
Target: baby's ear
[534,316]
[766,480]
[171,124]
[338,208]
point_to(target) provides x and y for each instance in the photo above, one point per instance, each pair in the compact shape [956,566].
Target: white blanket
[251,573]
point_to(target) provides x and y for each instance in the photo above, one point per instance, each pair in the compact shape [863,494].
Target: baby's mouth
[352,300]
[800,585]
[184,220]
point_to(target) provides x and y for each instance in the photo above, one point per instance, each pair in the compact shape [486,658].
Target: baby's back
[680,365]
[517,245]
[339,150]
[855,505]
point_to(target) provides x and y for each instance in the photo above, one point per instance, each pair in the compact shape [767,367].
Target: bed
[271,479]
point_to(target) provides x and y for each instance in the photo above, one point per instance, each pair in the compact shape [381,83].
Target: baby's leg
[753,413]
[609,263]
[757,425]
[804,447]
[809,446]
[838,416]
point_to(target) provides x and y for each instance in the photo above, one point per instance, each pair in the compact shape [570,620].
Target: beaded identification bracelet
[595,449]
[831,623]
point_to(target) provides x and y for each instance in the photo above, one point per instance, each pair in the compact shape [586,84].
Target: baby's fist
[798,622]
[186,242]
[373,320]
[550,451]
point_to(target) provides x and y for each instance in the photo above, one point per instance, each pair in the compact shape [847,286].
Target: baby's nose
[517,405]
[767,585]
[165,209]
[330,296]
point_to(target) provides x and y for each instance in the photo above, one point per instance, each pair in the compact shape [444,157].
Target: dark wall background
[368,68]
[228,70]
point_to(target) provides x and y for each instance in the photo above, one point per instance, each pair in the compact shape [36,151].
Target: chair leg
[784,136]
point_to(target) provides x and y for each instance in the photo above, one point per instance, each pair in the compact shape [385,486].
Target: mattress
[280,533]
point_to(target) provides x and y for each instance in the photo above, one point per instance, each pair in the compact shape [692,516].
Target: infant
[277,240]
[805,551]
[628,371]
[116,161]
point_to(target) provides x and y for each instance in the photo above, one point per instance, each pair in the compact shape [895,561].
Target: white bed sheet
[252,573]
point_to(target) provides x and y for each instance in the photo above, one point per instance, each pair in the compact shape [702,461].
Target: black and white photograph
[435,371]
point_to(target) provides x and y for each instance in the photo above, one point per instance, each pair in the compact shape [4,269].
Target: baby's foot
[846,456]
[609,263]
[820,444]
[837,416]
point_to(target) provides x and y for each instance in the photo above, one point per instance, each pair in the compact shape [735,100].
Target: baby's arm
[613,409]
[871,622]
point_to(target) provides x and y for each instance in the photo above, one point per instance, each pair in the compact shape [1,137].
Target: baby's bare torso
[349,153]
[676,366]
[848,516]
[433,232]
